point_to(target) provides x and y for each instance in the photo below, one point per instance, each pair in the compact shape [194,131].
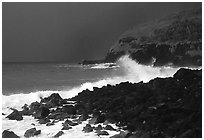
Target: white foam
[129,70]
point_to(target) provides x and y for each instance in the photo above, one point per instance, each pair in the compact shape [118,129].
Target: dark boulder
[109,127]
[53,100]
[32,132]
[15,115]
[26,110]
[87,128]
[58,134]
[44,112]
[83,117]
[99,127]
[43,120]
[58,116]
[69,109]
[70,123]
[9,134]
[35,107]
[99,132]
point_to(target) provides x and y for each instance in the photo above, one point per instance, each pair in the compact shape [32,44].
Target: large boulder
[32,132]
[88,128]
[99,132]
[69,109]
[9,134]
[109,127]
[53,100]
[15,115]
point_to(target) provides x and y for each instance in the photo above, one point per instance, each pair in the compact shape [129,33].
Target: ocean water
[27,83]
[33,77]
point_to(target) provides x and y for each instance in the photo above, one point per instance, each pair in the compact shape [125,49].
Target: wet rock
[87,128]
[93,120]
[83,117]
[9,134]
[69,109]
[58,134]
[109,127]
[44,112]
[66,127]
[99,127]
[35,107]
[50,123]
[80,108]
[99,132]
[32,132]
[58,116]
[15,115]
[3,114]
[26,110]
[70,123]
[53,100]
[44,120]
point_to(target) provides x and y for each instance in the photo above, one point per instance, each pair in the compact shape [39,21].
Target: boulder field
[162,108]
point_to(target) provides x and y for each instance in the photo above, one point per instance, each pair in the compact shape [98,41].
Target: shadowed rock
[9,134]
[32,132]
[58,134]
[15,115]
[87,128]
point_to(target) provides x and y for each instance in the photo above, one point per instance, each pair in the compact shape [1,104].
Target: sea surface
[31,77]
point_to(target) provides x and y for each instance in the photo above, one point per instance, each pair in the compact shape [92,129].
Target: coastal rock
[69,109]
[99,127]
[50,123]
[53,100]
[32,132]
[44,112]
[87,128]
[9,134]
[43,120]
[58,134]
[109,127]
[99,132]
[164,107]
[68,122]
[58,116]
[83,117]
[26,110]
[15,115]
[66,127]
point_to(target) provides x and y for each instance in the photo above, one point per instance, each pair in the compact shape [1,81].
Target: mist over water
[128,70]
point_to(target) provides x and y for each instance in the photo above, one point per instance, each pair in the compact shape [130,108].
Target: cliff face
[172,40]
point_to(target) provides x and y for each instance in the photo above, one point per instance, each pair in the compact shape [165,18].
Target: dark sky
[72,31]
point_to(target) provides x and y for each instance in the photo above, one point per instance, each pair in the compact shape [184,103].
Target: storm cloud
[36,32]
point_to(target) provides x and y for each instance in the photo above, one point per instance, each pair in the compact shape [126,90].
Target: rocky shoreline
[163,108]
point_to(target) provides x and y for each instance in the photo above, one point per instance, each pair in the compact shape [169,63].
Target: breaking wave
[128,70]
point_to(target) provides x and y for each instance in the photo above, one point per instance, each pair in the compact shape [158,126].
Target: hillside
[172,40]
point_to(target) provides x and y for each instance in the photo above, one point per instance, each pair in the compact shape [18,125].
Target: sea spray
[128,70]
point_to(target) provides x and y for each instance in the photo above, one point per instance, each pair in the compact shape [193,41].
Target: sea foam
[128,70]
